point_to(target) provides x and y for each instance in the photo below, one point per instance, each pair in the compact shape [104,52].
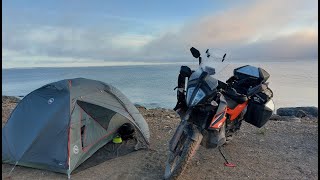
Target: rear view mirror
[195,52]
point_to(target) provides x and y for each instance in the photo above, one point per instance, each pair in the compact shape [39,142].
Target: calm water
[151,86]
[293,84]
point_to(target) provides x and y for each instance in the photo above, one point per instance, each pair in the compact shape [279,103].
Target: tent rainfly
[60,125]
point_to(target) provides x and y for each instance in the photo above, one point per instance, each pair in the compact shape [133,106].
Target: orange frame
[234,113]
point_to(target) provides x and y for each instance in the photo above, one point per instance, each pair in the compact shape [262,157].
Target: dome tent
[60,125]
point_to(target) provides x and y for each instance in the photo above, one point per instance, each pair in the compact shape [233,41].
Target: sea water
[293,83]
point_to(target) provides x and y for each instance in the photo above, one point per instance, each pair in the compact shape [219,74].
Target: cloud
[260,24]
[301,45]
[72,42]
[262,30]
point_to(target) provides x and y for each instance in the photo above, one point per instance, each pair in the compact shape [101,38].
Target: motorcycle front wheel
[178,160]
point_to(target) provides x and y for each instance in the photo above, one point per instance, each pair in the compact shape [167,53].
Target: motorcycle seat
[234,95]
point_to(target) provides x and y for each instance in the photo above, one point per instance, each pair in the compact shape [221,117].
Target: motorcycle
[212,111]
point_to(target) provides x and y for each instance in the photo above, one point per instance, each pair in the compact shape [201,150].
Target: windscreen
[212,58]
[212,62]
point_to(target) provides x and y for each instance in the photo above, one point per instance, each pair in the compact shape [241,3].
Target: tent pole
[13,168]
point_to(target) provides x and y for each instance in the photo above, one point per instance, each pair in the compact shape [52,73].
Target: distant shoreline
[102,66]
[167,63]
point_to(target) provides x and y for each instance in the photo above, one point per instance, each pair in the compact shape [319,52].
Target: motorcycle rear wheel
[178,160]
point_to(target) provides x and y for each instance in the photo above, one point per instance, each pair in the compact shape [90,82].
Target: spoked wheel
[177,160]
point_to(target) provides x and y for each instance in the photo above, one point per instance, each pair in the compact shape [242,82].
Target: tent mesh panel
[98,113]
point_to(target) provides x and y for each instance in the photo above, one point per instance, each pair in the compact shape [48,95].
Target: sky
[100,33]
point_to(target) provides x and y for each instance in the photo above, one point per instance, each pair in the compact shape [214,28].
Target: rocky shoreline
[294,114]
[285,148]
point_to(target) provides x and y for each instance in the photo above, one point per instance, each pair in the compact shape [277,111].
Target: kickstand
[226,163]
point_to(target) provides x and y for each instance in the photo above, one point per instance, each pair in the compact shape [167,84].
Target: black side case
[257,112]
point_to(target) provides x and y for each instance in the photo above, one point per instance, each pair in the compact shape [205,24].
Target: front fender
[191,130]
[194,133]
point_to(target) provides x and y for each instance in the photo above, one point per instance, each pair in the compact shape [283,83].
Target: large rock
[276,117]
[298,111]
[139,106]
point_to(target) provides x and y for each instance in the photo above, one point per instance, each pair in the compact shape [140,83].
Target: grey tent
[60,125]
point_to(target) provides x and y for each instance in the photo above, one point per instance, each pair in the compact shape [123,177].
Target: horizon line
[116,64]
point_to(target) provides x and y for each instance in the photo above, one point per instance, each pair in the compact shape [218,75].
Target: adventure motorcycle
[211,111]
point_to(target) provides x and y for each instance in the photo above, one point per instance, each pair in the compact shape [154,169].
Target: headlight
[199,95]
[189,94]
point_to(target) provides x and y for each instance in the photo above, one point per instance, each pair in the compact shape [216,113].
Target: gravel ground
[279,150]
